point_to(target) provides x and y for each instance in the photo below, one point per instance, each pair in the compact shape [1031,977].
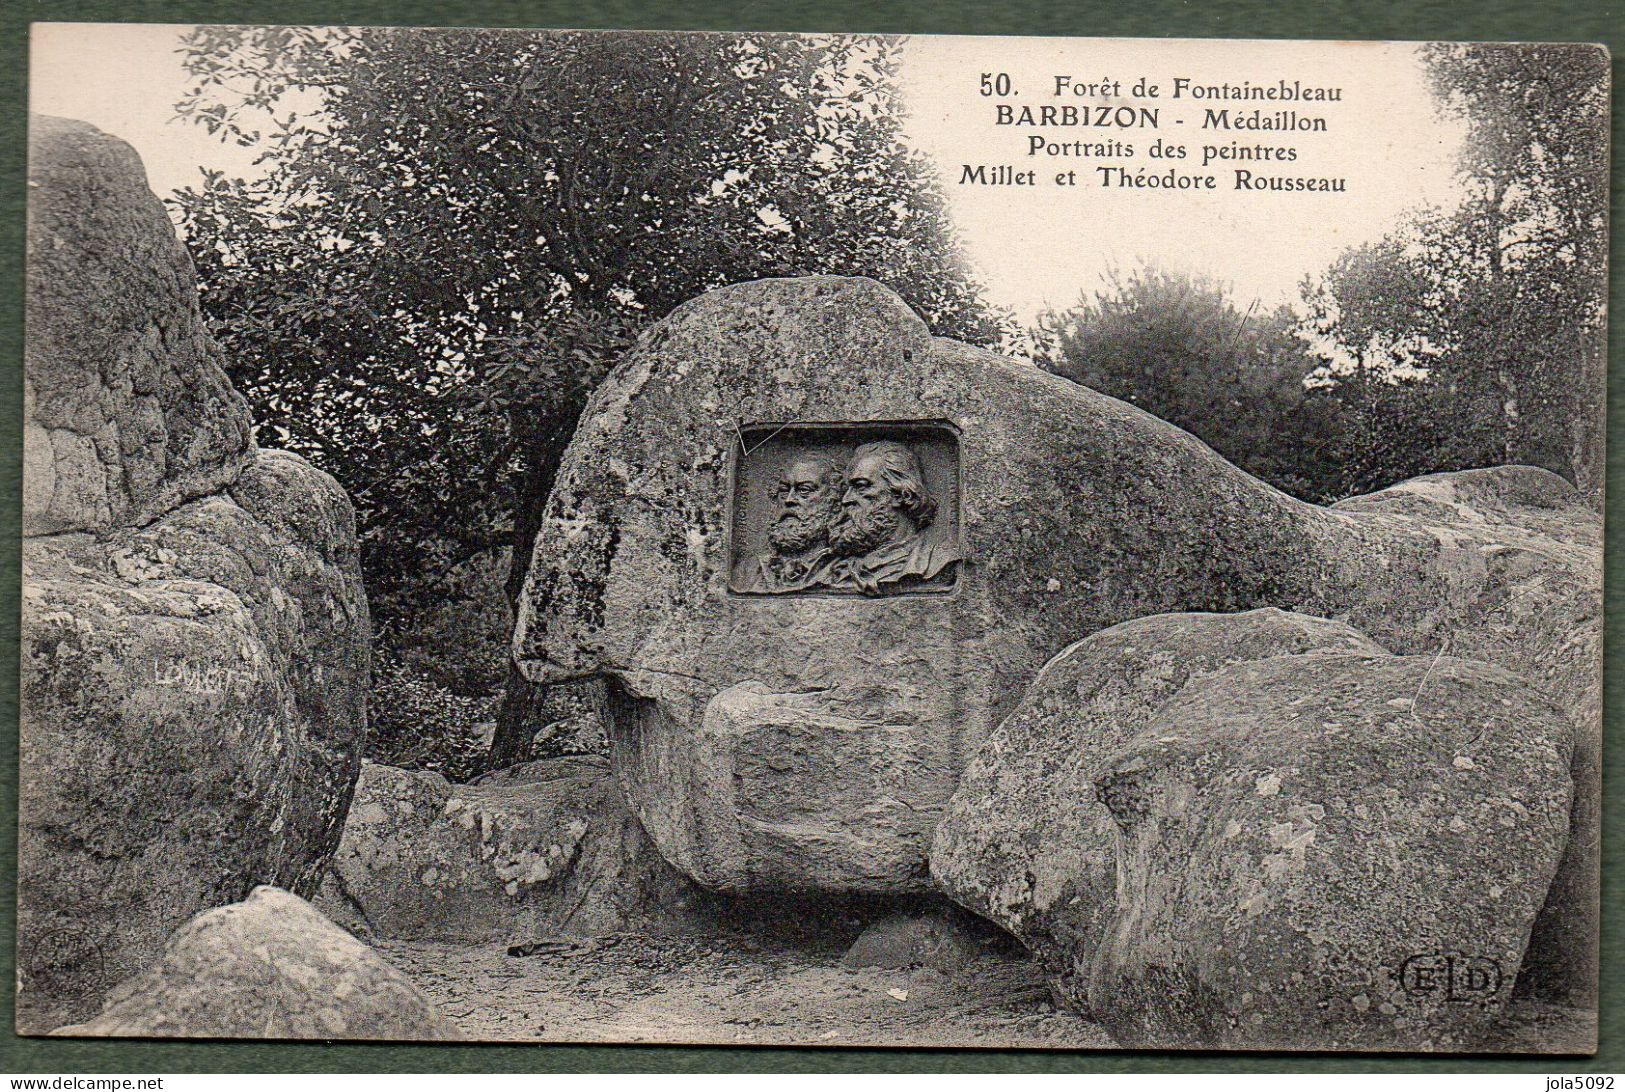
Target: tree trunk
[1510,416]
[517,721]
[517,717]
[1588,419]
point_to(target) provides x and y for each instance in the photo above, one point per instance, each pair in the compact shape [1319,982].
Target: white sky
[1033,246]
[125,79]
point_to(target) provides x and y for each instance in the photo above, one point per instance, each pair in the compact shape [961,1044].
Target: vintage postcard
[554,536]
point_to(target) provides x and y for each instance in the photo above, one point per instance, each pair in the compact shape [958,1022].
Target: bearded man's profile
[885,510]
[809,493]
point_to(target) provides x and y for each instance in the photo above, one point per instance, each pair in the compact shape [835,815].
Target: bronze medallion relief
[845,509]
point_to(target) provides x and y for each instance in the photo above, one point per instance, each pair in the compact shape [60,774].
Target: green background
[1496,20]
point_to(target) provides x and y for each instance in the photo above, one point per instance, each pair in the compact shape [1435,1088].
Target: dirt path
[732,991]
[746,991]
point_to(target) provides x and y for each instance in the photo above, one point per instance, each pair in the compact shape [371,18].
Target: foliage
[419,724]
[1390,428]
[458,231]
[1176,346]
[1497,303]
[469,225]
[459,638]
[1412,403]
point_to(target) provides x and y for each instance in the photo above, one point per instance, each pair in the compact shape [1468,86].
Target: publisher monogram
[1451,976]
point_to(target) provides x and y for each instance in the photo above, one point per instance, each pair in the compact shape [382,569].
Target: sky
[1036,246]
[125,78]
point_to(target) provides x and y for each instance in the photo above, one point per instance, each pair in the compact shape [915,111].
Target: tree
[1536,162]
[1177,346]
[1387,320]
[1498,301]
[459,231]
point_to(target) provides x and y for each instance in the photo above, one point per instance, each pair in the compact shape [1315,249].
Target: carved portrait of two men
[858,523]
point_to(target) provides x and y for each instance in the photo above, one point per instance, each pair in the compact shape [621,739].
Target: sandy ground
[750,991]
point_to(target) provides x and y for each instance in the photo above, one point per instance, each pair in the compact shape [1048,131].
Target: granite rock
[195,638]
[541,849]
[1329,851]
[900,942]
[1026,842]
[1060,512]
[126,409]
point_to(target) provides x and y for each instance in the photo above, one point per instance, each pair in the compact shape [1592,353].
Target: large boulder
[1328,851]
[1522,569]
[1026,842]
[195,656]
[269,967]
[546,848]
[1054,512]
[126,410]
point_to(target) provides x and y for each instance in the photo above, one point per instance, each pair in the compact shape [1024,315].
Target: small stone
[267,968]
[899,942]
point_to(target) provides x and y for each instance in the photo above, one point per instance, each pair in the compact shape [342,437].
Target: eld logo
[1451,976]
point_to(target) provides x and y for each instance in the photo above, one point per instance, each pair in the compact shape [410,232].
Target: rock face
[1330,851]
[195,655]
[270,967]
[1521,560]
[127,410]
[1026,842]
[776,728]
[541,849]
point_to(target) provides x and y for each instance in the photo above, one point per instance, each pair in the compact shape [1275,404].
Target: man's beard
[794,534]
[859,531]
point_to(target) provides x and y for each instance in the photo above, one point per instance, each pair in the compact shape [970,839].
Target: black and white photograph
[812,540]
